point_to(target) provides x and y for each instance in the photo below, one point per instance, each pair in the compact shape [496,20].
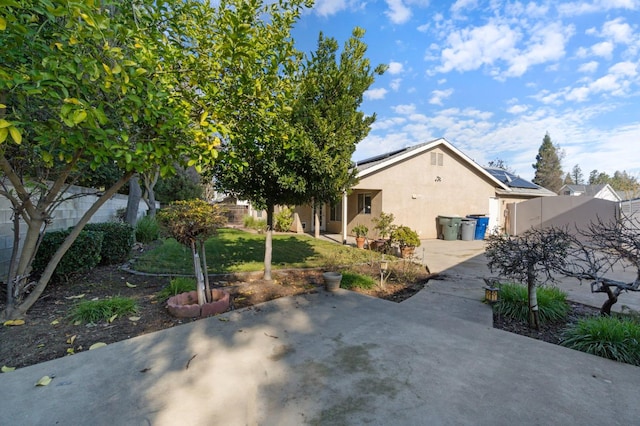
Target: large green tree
[548,166]
[90,84]
[326,109]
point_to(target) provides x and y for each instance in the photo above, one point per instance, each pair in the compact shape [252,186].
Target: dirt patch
[49,333]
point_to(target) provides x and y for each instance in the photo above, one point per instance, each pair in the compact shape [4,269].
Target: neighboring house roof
[517,185]
[597,191]
[506,183]
[373,164]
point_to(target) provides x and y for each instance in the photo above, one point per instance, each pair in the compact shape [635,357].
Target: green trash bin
[450,227]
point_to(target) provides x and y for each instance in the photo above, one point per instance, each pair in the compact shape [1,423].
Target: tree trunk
[21,310]
[533,307]
[268,244]
[150,196]
[133,202]
[612,300]
[316,221]
[197,268]
[207,287]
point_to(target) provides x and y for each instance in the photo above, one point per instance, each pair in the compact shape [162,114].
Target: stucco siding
[417,191]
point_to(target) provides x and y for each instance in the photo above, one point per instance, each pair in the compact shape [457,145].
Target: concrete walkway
[334,359]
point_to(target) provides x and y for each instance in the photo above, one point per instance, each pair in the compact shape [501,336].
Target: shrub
[283,220]
[405,237]
[609,337]
[176,286]
[513,303]
[384,224]
[82,256]
[251,222]
[191,220]
[118,240]
[93,311]
[352,280]
[147,230]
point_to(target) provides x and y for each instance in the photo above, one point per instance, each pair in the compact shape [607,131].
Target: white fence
[65,216]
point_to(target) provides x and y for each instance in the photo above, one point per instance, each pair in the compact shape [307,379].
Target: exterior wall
[417,192]
[630,210]
[565,210]
[506,220]
[65,216]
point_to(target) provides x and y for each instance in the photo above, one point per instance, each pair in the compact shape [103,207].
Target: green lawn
[233,250]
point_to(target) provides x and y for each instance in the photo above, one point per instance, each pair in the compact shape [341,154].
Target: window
[364,203]
[437,159]
[440,159]
[336,212]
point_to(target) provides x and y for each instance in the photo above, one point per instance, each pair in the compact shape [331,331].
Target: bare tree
[531,258]
[596,250]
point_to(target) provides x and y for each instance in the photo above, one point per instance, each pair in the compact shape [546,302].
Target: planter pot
[185,305]
[360,242]
[332,280]
[407,252]
[378,245]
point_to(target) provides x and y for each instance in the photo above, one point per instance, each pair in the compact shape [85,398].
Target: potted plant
[361,232]
[384,227]
[407,240]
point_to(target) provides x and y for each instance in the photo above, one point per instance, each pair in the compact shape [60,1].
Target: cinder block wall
[65,216]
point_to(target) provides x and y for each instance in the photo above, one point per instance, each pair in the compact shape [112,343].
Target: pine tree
[548,166]
[576,175]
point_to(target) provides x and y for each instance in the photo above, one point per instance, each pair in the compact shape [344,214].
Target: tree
[625,184]
[598,178]
[568,180]
[531,258]
[499,163]
[82,87]
[548,165]
[326,109]
[576,175]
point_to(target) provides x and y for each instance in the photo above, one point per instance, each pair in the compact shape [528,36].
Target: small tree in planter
[406,238]
[361,232]
[191,223]
[384,227]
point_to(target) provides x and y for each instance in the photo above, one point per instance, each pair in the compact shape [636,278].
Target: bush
[513,303]
[405,237]
[93,311]
[352,280]
[82,256]
[283,220]
[251,222]
[609,337]
[176,286]
[147,230]
[118,240]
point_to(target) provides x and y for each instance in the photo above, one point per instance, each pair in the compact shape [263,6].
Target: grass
[613,337]
[513,303]
[147,229]
[352,280]
[176,286]
[93,311]
[234,250]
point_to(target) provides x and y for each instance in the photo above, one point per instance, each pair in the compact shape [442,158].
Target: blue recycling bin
[482,222]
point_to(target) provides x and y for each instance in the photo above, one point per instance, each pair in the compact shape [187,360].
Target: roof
[518,185]
[378,162]
[590,190]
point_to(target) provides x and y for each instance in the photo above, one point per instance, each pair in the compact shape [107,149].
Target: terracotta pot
[185,305]
[407,252]
[360,242]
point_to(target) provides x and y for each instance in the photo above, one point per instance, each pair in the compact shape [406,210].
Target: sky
[492,77]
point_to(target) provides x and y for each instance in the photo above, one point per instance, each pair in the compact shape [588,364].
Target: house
[417,184]
[604,192]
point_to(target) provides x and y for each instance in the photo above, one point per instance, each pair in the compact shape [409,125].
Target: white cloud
[588,67]
[423,28]
[404,109]
[395,84]
[395,68]
[461,5]
[583,7]
[398,12]
[373,94]
[603,49]
[329,7]
[627,68]
[618,31]
[517,109]
[388,123]
[439,95]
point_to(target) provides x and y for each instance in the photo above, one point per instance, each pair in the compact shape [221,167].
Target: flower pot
[360,242]
[407,252]
[332,280]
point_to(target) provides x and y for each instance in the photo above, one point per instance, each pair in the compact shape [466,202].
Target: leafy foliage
[118,240]
[147,229]
[609,337]
[82,256]
[548,165]
[191,220]
[405,237]
[360,230]
[513,303]
[251,222]
[384,224]
[184,185]
[283,219]
[352,280]
[94,311]
[176,286]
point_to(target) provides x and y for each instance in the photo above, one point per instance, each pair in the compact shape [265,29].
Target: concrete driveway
[334,359]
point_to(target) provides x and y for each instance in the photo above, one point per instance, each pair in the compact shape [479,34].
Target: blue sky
[492,77]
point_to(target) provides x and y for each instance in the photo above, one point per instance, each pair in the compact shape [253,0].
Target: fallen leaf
[41,345]
[78,322]
[54,322]
[110,320]
[79,296]
[44,381]
[130,285]
[72,339]
[14,322]
[134,319]
[70,351]
[223,319]
[6,369]
[97,345]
